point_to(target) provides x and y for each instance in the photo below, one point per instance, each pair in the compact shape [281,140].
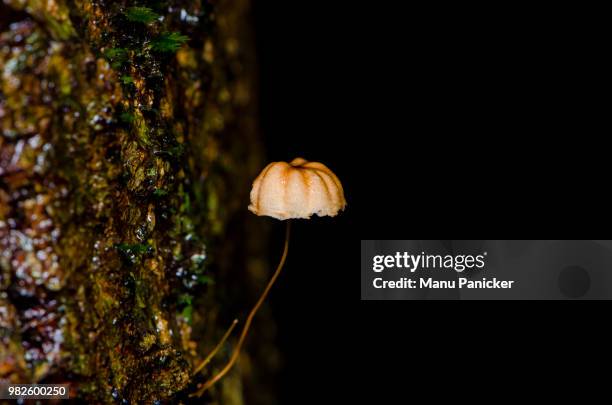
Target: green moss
[114,53]
[202,279]
[116,56]
[185,304]
[185,299]
[141,14]
[169,42]
[125,79]
[137,248]
[126,117]
[160,192]
[187,313]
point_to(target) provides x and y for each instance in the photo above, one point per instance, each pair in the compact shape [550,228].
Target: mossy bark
[127,144]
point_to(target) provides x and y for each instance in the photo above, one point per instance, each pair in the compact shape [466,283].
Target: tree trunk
[127,144]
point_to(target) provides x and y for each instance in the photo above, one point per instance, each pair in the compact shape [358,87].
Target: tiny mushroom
[296,190]
[284,191]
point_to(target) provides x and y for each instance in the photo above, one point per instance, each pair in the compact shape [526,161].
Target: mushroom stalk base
[249,320]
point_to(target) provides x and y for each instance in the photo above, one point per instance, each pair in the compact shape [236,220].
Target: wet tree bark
[127,145]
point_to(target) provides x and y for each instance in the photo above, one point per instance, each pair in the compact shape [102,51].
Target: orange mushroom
[296,190]
[284,191]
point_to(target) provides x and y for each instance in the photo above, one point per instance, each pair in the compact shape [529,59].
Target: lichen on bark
[127,140]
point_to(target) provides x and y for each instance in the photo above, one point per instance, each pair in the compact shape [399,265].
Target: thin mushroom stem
[249,320]
[217,348]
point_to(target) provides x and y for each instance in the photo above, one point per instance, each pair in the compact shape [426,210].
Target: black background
[302,100]
[454,121]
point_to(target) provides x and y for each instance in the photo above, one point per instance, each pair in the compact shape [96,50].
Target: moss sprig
[169,42]
[142,15]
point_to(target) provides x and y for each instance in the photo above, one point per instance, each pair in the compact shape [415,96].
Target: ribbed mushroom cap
[296,190]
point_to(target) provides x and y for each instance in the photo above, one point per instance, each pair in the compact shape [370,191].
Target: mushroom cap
[297,189]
